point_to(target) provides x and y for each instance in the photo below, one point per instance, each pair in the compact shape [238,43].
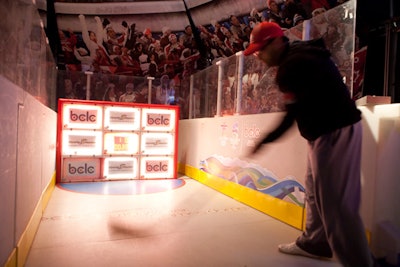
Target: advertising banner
[100,140]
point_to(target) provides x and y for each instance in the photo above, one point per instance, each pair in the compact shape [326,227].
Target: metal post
[240,59]
[191,98]
[219,88]
[390,54]
[387,61]
[88,74]
[150,86]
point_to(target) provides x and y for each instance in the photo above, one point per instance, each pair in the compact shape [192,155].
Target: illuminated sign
[122,118]
[157,144]
[120,168]
[100,140]
[80,143]
[81,169]
[82,117]
[121,143]
[158,120]
[156,167]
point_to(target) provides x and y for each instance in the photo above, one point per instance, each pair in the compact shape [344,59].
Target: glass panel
[337,27]
[259,91]
[25,55]
[204,97]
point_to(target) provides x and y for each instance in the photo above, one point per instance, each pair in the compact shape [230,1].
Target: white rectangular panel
[82,143]
[158,119]
[157,144]
[78,169]
[121,144]
[156,167]
[120,168]
[122,118]
[82,116]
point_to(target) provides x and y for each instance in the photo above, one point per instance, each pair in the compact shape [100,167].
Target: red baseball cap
[261,34]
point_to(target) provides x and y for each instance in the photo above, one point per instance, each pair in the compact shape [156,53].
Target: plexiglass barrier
[25,55]
[232,86]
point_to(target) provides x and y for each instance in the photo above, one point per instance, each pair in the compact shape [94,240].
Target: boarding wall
[215,151]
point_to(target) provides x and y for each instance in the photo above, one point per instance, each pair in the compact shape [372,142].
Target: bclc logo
[85,169]
[82,116]
[153,166]
[155,119]
[252,131]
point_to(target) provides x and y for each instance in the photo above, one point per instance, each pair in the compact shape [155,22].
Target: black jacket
[319,101]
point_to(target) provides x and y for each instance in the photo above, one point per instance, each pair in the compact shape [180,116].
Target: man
[319,102]
[237,28]
[186,39]
[129,95]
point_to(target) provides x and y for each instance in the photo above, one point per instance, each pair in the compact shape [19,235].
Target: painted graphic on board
[230,137]
[255,177]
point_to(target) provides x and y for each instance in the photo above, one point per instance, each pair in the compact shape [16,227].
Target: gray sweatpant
[333,223]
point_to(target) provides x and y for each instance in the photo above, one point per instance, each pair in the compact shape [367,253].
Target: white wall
[201,138]
[27,141]
[234,136]
[381,173]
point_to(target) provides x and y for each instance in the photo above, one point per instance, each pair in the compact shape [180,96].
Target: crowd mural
[121,57]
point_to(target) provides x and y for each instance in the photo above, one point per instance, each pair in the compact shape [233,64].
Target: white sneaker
[293,249]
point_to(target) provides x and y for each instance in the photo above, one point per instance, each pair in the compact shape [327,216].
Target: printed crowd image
[121,56]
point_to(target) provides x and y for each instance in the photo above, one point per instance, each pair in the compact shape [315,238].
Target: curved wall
[155,15]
